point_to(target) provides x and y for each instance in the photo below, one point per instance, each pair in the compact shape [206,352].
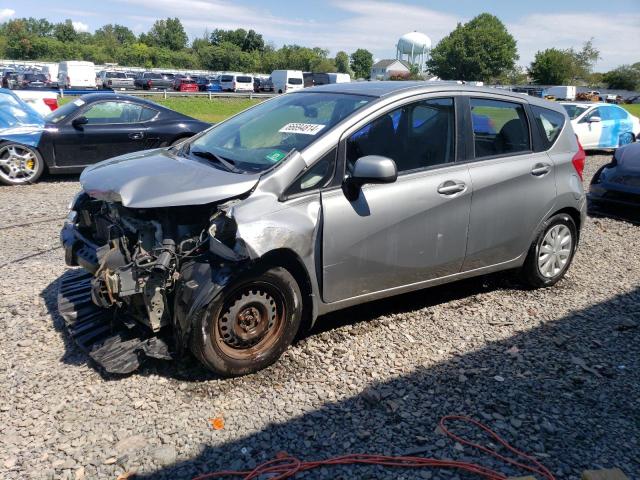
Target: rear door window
[499,127]
[549,123]
[244,79]
[294,81]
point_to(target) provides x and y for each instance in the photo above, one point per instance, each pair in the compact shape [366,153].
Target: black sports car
[87,130]
[617,184]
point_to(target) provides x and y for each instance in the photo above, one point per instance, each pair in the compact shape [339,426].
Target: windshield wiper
[227,164]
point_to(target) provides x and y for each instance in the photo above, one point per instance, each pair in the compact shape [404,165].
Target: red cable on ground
[285,466]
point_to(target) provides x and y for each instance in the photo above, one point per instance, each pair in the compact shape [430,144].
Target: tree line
[481,49]
[166,44]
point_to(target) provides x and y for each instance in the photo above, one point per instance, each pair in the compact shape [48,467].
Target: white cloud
[5,13]
[80,27]
[377,25]
[617,36]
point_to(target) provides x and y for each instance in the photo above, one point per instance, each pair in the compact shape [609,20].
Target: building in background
[390,69]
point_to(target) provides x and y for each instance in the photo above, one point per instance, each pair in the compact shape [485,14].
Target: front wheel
[19,164]
[250,325]
[551,252]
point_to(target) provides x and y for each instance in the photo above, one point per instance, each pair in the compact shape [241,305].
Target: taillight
[109,82]
[68,81]
[149,83]
[52,103]
[234,84]
[578,159]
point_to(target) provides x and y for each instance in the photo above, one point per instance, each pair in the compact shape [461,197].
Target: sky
[372,24]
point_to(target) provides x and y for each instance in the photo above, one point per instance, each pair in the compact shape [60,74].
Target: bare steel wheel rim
[18,164]
[555,251]
[251,322]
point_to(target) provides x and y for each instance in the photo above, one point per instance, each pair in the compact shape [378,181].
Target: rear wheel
[19,164]
[626,138]
[551,252]
[251,325]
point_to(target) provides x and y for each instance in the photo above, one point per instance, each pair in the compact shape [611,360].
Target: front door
[513,188]
[590,132]
[405,232]
[113,129]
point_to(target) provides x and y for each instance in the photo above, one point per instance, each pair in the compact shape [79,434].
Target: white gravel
[556,371]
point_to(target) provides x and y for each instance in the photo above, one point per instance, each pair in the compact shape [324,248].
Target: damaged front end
[144,270]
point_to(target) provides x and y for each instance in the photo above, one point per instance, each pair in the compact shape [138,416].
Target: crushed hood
[158,178]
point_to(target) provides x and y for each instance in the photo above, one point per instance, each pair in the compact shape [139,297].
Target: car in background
[616,185]
[236,82]
[42,101]
[175,79]
[311,202]
[33,80]
[77,74]
[185,84]
[287,80]
[209,84]
[153,81]
[82,132]
[602,125]
[10,79]
[114,80]
[262,84]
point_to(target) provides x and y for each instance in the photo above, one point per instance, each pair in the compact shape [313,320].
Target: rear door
[513,186]
[115,127]
[406,232]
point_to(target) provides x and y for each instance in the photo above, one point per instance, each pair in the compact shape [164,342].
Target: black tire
[37,158]
[217,334]
[531,272]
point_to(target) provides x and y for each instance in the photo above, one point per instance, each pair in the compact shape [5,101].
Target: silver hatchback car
[229,242]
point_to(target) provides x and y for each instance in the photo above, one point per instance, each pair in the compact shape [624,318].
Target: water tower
[414,47]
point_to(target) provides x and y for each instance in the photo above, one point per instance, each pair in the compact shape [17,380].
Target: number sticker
[302,128]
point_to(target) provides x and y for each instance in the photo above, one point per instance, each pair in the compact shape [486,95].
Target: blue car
[208,84]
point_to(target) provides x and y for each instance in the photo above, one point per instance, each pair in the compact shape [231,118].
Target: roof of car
[93,97]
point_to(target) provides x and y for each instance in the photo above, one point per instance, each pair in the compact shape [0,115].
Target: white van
[75,74]
[339,77]
[51,71]
[561,93]
[236,82]
[287,80]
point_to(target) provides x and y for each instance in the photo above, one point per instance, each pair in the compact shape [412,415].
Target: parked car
[287,80]
[203,82]
[186,85]
[311,202]
[33,80]
[153,80]
[236,82]
[616,185]
[77,74]
[176,80]
[115,80]
[85,131]
[42,101]
[602,125]
[213,85]
[561,92]
[10,79]
[339,77]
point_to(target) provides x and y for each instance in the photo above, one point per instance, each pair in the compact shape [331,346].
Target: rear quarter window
[549,124]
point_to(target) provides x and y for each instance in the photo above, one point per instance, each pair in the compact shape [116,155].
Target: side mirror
[78,122]
[594,119]
[369,169]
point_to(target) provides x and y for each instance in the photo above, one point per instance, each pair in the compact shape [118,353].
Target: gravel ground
[556,372]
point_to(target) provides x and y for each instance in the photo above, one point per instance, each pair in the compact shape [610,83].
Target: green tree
[40,27]
[361,63]
[481,49]
[246,41]
[342,62]
[65,32]
[552,67]
[625,77]
[167,33]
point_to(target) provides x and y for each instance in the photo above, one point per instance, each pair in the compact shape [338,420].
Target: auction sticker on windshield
[275,156]
[302,128]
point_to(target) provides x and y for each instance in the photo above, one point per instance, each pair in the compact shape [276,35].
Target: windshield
[116,75]
[574,111]
[152,75]
[64,111]
[262,136]
[226,78]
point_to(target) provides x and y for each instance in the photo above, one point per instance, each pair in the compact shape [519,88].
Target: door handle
[136,136]
[451,187]
[540,169]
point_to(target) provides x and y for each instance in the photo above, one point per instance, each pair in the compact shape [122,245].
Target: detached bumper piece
[117,344]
